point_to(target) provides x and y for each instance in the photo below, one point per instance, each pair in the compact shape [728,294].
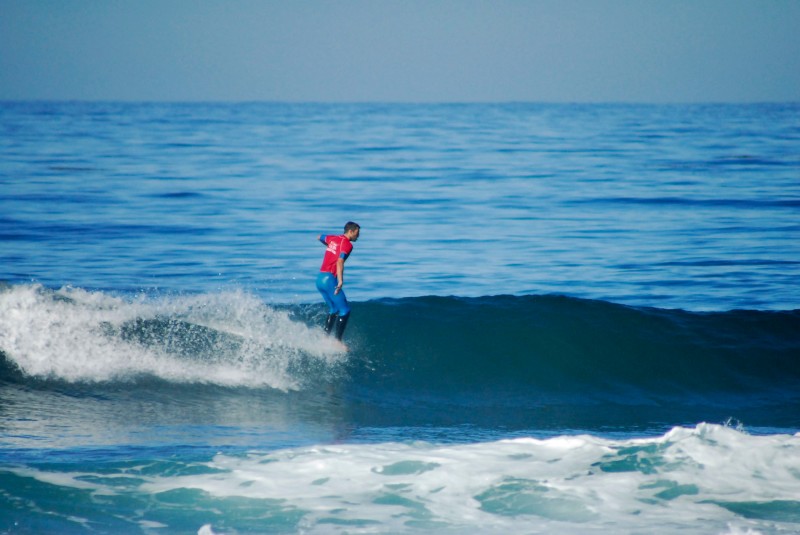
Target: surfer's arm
[339,274]
[321,239]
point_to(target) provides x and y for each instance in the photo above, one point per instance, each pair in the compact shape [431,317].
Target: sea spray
[229,339]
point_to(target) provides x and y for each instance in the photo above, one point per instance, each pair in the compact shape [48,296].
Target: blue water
[566,318]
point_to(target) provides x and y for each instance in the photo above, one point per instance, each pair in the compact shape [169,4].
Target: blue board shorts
[337,303]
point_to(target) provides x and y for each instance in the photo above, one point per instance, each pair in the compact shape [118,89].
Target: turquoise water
[566,319]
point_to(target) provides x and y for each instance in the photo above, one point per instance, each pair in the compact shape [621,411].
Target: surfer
[331,277]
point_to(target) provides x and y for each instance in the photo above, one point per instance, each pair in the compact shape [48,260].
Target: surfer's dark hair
[351,226]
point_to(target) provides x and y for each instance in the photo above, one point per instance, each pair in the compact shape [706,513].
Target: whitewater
[566,319]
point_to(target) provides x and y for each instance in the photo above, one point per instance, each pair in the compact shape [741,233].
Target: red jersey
[338,247]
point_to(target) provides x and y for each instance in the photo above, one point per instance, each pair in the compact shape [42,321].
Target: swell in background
[692,207]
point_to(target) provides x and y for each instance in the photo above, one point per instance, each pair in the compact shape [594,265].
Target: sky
[401,50]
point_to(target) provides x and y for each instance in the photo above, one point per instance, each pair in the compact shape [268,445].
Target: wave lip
[229,339]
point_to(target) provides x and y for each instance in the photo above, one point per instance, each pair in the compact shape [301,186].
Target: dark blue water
[668,206]
[566,318]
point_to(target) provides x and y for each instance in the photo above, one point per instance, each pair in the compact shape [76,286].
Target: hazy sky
[401,50]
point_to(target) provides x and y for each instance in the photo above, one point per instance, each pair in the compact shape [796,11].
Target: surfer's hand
[337,290]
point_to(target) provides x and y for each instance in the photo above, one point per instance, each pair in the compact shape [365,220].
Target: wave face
[555,344]
[553,362]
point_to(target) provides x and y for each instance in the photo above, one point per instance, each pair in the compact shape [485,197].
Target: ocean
[566,318]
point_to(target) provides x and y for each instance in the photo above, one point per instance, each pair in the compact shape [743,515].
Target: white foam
[73,335]
[566,485]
